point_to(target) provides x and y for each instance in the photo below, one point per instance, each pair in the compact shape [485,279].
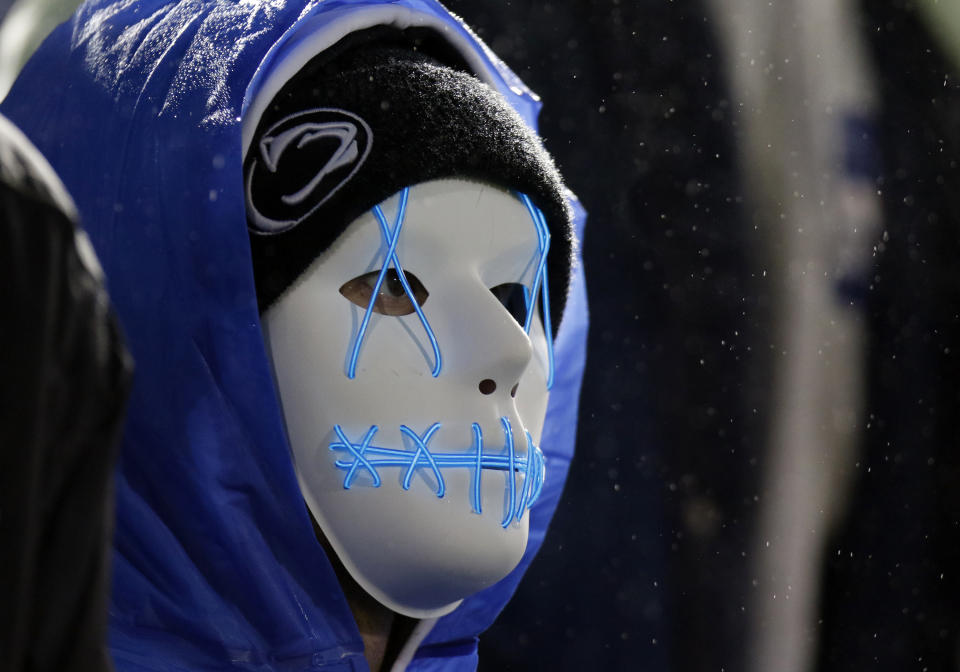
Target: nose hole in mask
[487,386]
[513,390]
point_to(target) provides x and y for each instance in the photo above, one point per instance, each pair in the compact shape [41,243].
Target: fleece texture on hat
[350,132]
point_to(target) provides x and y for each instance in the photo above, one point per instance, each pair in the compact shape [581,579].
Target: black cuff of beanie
[426,121]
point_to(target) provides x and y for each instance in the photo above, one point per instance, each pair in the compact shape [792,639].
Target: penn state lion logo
[300,162]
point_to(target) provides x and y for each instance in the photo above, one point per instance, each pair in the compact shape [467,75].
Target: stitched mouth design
[520,493]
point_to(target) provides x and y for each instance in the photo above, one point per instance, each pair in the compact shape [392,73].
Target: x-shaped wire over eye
[391,238]
[540,282]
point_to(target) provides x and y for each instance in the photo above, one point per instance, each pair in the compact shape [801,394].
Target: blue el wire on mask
[392,237]
[369,458]
[540,282]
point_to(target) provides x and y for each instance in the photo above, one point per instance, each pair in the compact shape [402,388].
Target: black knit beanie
[351,131]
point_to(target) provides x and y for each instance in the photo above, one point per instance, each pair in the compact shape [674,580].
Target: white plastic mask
[419,538]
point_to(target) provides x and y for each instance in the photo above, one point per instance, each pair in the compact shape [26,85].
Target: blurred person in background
[62,399]
[805,104]
[891,595]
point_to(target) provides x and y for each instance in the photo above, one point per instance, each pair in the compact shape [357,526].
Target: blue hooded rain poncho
[138,105]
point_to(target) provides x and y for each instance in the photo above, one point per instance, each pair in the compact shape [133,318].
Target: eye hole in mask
[513,296]
[391,299]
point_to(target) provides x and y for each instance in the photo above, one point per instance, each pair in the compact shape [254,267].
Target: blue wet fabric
[137,105]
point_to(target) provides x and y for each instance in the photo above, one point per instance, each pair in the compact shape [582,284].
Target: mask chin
[420,475]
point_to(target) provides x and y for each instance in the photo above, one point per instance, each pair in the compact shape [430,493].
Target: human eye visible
[391,299]
[513,297]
